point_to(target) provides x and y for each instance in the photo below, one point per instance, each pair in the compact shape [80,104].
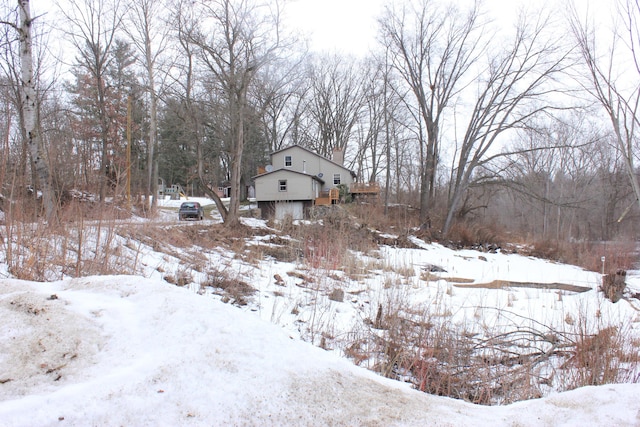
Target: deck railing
[364,188]
[328,197]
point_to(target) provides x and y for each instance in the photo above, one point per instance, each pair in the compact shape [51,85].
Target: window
[336,179]
[288,161]
[282,185]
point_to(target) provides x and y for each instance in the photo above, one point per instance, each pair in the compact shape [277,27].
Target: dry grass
[618,255]
[425,346]
[182,277]
[421,344]
[399,219]
[41,252]
[326,245]
[468,235]
[598,352]
[232,289]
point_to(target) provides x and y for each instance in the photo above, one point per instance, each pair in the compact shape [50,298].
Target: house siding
[299,186]
[312,164]
[307,177]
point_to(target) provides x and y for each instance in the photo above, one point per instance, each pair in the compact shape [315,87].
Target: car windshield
[188,205]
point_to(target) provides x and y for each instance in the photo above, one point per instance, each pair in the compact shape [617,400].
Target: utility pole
[129,152]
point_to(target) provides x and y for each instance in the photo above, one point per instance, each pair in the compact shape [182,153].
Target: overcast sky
[344,25]
[350,25]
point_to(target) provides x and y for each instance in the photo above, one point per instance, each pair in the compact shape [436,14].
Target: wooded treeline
[531,128]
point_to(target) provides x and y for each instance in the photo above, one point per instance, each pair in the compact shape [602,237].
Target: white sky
[349,26]
[342,25]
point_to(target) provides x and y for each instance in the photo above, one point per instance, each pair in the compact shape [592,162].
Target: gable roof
[288,171]
[353,174]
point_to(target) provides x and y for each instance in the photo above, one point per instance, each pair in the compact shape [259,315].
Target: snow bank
[130,351]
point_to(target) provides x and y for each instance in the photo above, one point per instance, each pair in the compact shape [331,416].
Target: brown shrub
[607,356]
[545,249]
[233,290]
[468,235]
[613,285]
[399,219]
[182,277]
[618,255]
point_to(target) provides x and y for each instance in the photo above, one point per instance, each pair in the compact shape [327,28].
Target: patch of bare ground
[401,241]
[207,236]
[502,284]
[430,277]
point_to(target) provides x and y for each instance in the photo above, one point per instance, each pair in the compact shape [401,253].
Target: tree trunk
[203,184]
[104,135]
[152,162]
[34,140]
[233,217]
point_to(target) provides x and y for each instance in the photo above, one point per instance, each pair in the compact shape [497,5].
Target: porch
[359,190]
[365,191]
[327,198]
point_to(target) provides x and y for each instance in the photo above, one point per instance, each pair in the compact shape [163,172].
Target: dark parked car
[190,210]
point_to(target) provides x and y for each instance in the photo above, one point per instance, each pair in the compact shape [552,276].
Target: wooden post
[129,152]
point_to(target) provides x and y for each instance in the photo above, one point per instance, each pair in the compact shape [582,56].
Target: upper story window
[282,185]
[288,161]
[336,179]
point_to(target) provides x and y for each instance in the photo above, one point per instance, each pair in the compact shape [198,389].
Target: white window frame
[337,179]
[288,159]
[282,185]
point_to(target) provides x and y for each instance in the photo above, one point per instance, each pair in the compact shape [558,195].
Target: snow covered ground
[134,350]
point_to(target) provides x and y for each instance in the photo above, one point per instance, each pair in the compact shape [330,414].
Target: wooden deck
[327,198]
[364,188]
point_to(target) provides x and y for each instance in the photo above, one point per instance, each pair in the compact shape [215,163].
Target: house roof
[353,174]
[288,171]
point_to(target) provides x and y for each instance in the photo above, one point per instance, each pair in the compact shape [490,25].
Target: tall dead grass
[38,251]
[521,359]
[419,344]
[621,254]
[598,352]
[326,244]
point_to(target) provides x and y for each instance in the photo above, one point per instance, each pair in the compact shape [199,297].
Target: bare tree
[607,81]
[149,33]
[369,129]
[377,130]
[92,29]
[336,102]
[279,95]
[432,49]
[11,77]
[371,145]
[185,88]
[236,39]
[29,109]
[515,90]
[551,173]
